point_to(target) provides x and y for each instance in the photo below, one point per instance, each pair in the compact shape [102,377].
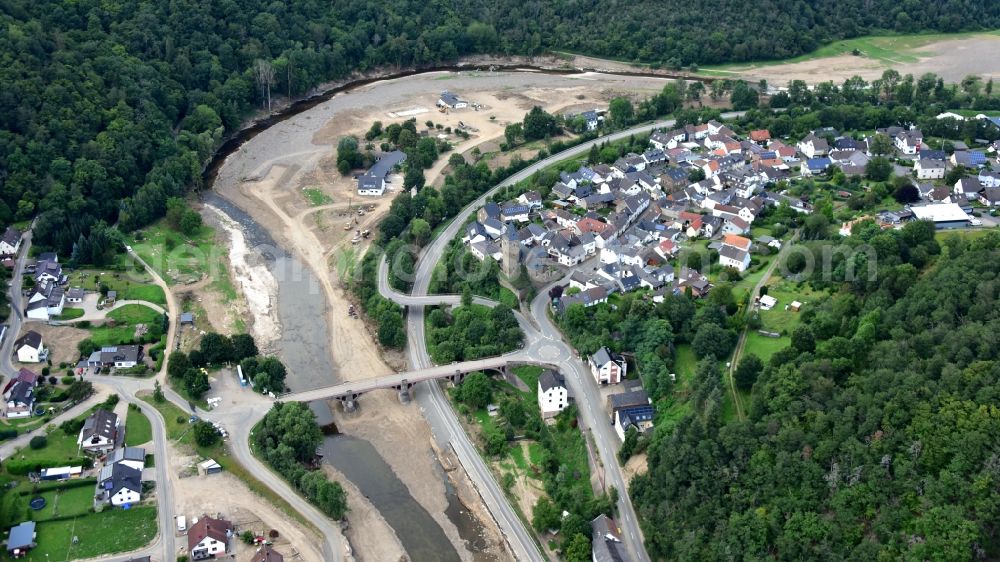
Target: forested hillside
[875,436]
[109,108]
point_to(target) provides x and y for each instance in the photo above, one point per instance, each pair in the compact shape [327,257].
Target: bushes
[205,434]
[38,442]
[6,434]
[19,467]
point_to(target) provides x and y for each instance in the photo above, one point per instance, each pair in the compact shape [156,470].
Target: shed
[187,318]
[209,466]
[21,538]
[795,306]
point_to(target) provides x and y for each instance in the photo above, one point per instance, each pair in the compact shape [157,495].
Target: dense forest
[873,437]
[108,109]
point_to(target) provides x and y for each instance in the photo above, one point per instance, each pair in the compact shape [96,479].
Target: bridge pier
[403,388]
[457,378]
[348,401]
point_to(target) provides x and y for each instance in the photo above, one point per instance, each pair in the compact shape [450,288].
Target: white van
[181,524]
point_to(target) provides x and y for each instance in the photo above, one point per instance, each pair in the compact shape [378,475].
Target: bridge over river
[349,392]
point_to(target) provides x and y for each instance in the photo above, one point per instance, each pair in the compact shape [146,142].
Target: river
[303,340]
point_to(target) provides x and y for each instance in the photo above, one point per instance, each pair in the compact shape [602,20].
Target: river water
[301,346]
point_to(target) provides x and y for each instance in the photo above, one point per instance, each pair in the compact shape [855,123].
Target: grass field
[62,502]
[107,335]
[137,428]
[131,285]
[887,49]
[134,314]
[69,314]
[764,347]
[316,197]
[99,533]
[177,257]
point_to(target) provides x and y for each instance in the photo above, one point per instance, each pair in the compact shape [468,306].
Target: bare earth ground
[196,495]
[635,467]
[266,178]
[370,536]
[59,340]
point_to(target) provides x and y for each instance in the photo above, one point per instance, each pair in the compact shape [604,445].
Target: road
[548,347]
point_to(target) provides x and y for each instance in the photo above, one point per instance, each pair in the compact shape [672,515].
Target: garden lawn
[178,428]
[763,346]
[171,253]
[130,285]
[60,447]
[784,321]
[107,335]
[69,314]
[61,502]
[137,428]
[134,314]
[99,534]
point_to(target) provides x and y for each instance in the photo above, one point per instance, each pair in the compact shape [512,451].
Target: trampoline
[37,503]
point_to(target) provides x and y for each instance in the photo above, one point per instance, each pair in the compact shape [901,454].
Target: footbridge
[348,393]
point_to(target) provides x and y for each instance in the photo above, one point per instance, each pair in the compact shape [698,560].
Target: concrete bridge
[348,393]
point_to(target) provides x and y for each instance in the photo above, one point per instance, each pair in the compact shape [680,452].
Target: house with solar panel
[632,408]
[99,433]
[119,484]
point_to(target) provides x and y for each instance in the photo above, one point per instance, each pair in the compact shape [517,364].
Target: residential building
[119,484]
[451,101]
[209,537]
[374,180]
[267,554]
[10,242]
[100,432]
[735,252]
[133,457]
[606,543]
[45,301]
[553,397]
[908,142]
[75,295]
[608,367]
[813,146]
[929,169]
[969,187]
[21,539]
[48,271]
[117,356]
[29,348]
[20,400]
[631,409]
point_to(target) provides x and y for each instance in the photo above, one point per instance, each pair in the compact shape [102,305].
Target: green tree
[747,372]
[476,391]
[577,549]
[420,231]
[880,145]
[205,434]
[621,112]
[512,133]
[538,124]
[878,168]
[545,515]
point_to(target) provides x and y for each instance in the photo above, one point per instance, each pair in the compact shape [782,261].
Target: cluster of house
[638,211]
[48,297]
[631,408]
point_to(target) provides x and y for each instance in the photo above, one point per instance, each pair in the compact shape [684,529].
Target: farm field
[952,56]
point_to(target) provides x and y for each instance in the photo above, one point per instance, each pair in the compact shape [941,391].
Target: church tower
[510,248]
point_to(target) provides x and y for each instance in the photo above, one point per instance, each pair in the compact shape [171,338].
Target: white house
[908,142]
[929,169]
[132,457]
[10,242]
[735,252]
[29,348]
[452,101]
[209,537]
[813,146]
[608,367]
[374,180]
[119,484]
[969,187]
[99,433]
[20,400]
[45,301]
[552,394]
